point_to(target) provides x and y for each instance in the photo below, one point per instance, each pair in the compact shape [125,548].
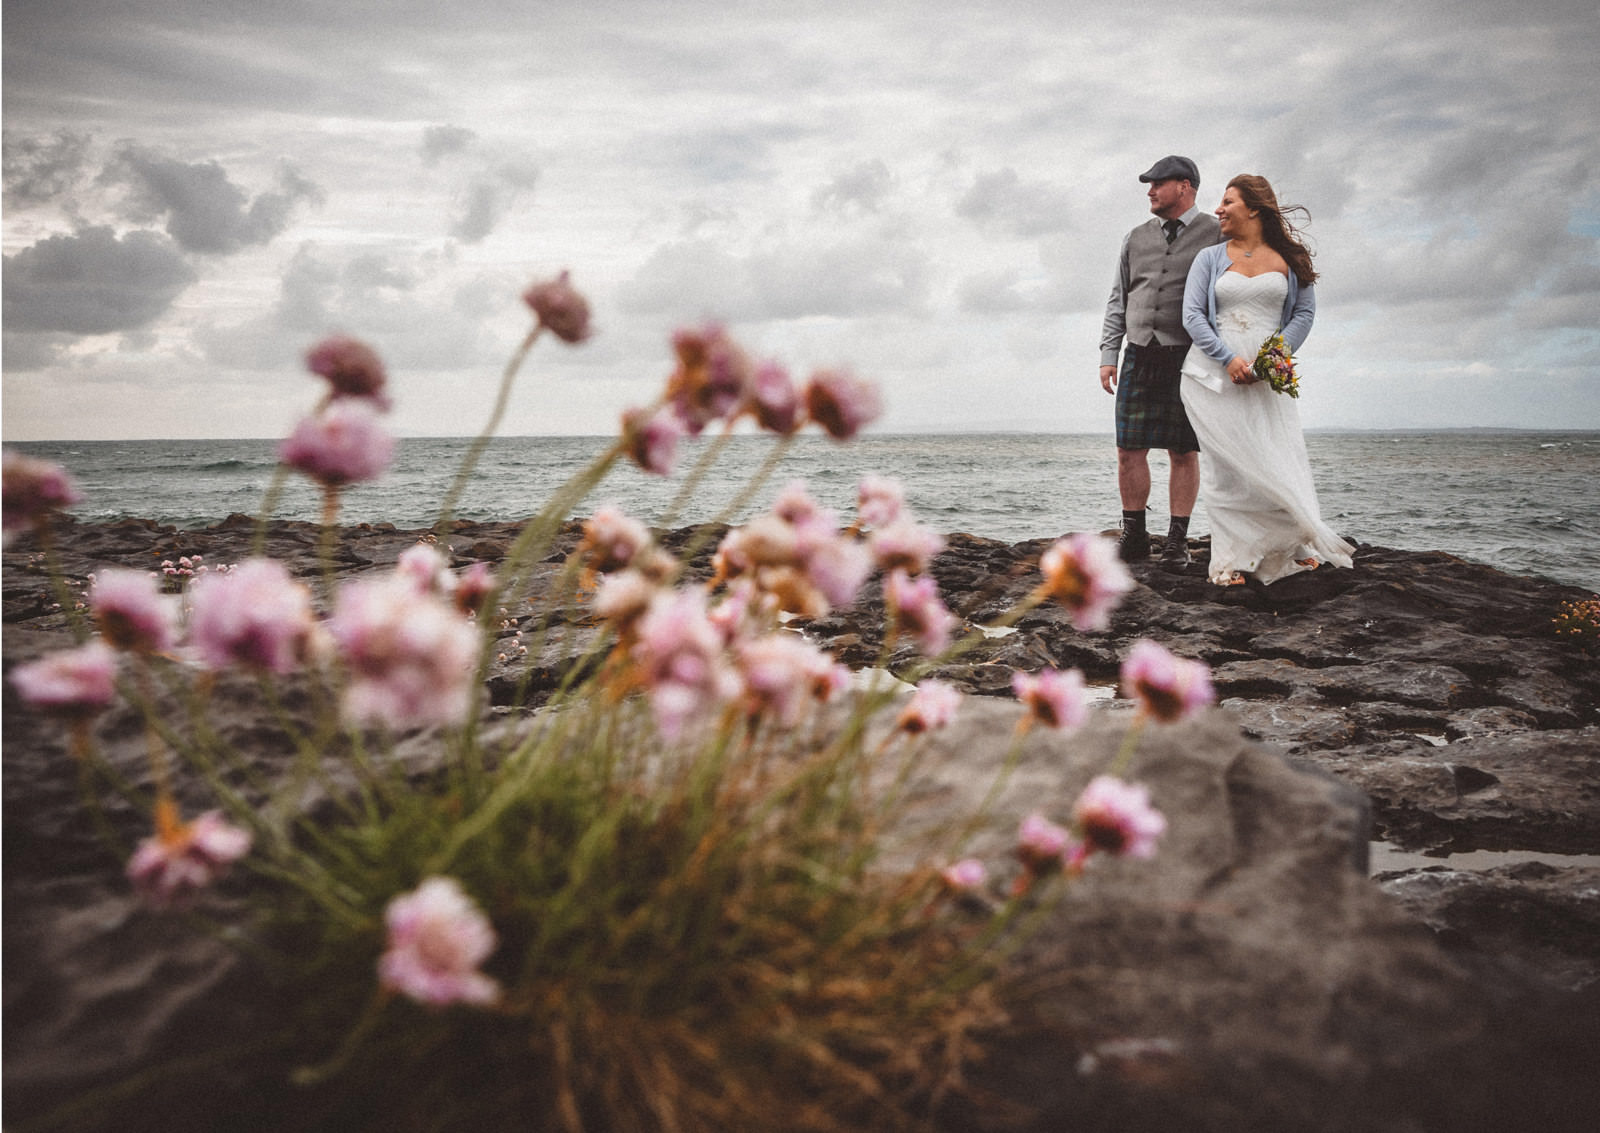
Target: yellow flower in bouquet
[1275,365]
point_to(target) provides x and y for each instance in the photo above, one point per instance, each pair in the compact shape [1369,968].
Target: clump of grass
[660,901]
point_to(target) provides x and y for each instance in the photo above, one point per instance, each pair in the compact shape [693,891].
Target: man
[1146,308]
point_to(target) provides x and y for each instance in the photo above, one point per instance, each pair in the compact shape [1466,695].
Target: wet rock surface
[1253,977]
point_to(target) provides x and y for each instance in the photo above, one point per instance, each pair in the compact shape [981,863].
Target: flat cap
[1173,168]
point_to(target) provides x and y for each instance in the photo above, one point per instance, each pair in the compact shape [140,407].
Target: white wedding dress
[1255,477]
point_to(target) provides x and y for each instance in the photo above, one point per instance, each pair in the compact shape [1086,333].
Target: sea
[1525,502]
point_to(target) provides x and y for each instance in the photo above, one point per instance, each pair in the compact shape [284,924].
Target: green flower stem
[269,504]
[1130,743]
[469,463]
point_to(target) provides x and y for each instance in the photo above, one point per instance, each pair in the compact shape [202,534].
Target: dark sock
[1178,527]
[1133,521]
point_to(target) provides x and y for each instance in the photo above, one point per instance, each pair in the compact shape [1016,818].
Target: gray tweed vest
[1157,272]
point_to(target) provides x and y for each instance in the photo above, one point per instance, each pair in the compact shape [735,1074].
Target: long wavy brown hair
[1276,229]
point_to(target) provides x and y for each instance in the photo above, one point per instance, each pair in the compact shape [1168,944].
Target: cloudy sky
[931,193]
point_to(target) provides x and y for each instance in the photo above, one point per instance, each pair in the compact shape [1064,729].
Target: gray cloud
[204,210]
[41,169]
[487,200]
[1003,202]
[860,189]
[445,141]
[93,282]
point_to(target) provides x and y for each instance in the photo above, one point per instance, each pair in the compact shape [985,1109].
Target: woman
[1255,477]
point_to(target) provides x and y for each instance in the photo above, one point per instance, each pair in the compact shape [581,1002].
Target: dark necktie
[1172,227]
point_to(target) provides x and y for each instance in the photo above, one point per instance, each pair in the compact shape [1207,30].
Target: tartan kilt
[1149,408]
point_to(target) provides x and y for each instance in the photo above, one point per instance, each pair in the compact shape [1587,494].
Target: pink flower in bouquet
[612,540]
[1117,818]
[131,611]
[1041,844]
[679,652]
[256,615]
[30,489]
[559,308]
[879,501]
[796,506]
[410,655]
[774,400]
[182,858]
[344,443]
[1168,688]
[651,439]
[1084,574]
[1054,698]
[73,683]
[438,939]
[783,674]
[426,567]
[931,707]
[841,403]
[919,610]
[965,876]
[905,545]
[352,368]
[473,588]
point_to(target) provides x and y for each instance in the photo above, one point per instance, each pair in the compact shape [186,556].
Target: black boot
[1175,552]
[1134,546]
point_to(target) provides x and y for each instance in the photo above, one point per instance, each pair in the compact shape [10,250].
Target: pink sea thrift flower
[410,655]
[1117,818]
[559,308]
[255,615]
[905,545]
[841,403]
[473,588]
[965,876]
[1041,844]
[426,567]
[73,683]
[836,565]
[713,380]
[623,597]
[30,489]
[1053,698]
[679,652]
[131,611]
[1168,688]
[612,540]
[783,674]
[919,610]
[344,443]
[352,368]
[774,400]
[879,501]
[931,707]
[1084,574]
[183,858]
[438,938]
[796,506]
[651,439]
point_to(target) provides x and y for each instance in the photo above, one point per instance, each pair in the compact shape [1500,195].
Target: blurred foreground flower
[930,708]
[559,307]
[182,858]
[1041,845]
[437,940]
[32,489]
[131,611]
[965,876]
[410,655]
[1083,573]
[72,683]
[352,369]
[1116,817]
[919,611]
[256,615]
[841,403]
[1053,698]
[1168,688]
[651,439]
[343,444]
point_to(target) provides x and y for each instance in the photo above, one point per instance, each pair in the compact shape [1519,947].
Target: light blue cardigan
[1200,306]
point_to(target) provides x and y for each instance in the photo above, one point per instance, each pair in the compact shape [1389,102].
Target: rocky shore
[1260,977]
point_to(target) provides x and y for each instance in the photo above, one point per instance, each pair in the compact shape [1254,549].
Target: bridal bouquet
[1275,365]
